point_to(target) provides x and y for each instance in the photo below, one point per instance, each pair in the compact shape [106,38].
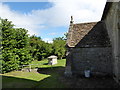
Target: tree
[59,47]
[14,46]
[65,36]
[39,48]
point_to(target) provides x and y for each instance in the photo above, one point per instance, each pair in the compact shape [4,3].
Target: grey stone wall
[95,59]
[68,72]
[112,22]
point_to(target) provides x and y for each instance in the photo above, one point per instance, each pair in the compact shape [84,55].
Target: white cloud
[43,0]
[20,20]
[49,40]
[81,10]
[24,0]
[56,16]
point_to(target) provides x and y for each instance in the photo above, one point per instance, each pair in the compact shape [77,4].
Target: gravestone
[52,60]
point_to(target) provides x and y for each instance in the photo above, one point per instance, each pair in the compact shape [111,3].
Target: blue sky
[51,19]
[26,7]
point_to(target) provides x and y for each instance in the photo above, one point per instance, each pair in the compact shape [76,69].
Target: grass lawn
[46,77]
[43,64]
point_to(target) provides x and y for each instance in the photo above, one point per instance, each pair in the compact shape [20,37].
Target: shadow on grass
[50,70]
[53,81]
[45,64]
[49,82]
[14,82]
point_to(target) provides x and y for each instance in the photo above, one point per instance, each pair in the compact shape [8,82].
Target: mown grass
[44,64]
[47,77]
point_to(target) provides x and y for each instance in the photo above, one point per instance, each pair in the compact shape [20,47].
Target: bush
[14,46]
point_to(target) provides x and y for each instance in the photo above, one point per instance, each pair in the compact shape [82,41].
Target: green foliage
[17,48]
[39,49]
[14,46]
[59,47]
[65,36]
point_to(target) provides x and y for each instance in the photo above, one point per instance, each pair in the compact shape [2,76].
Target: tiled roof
[88,35]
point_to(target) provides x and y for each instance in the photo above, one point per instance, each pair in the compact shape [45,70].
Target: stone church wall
[95,59]
[112,21]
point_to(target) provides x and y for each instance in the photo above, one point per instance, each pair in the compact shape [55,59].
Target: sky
[50,18]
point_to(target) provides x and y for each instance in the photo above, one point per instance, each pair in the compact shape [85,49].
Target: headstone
[52,60]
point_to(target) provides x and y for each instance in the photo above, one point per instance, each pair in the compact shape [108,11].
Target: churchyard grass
[43,63]
[47,77]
